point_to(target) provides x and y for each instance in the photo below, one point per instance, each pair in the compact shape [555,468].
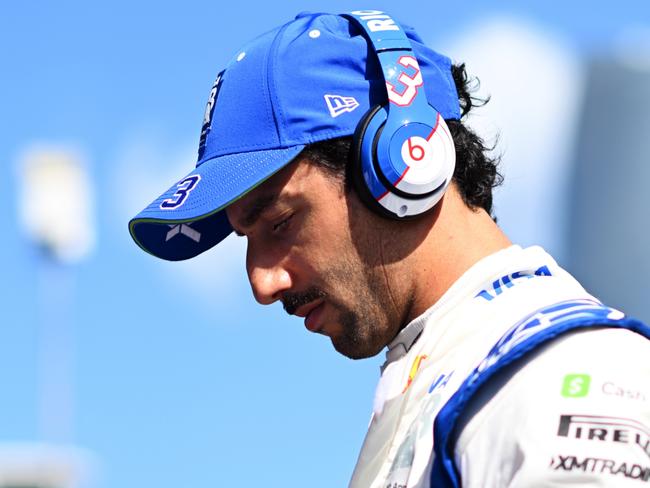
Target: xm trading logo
[599,465]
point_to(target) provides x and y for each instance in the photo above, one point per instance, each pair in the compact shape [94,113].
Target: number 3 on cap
[184,189]
[412,83]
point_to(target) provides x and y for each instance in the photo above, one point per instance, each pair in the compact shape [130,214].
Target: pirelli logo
[605,429]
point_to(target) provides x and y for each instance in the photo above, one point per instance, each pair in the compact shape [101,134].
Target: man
[334,145]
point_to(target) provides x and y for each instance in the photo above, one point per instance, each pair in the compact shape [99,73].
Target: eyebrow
[256,209]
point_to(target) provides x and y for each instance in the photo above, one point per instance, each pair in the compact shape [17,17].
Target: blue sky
[177,377]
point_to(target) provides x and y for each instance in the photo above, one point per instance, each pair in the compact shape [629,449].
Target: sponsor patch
[510,280]
[414,370]
[612,388]
[576,385]
[600,466]
[440,382]
[616,430]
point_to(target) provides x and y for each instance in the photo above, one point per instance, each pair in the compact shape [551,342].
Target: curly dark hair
[476,172]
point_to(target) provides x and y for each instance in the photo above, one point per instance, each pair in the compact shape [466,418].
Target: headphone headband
[381,30]
[395,55]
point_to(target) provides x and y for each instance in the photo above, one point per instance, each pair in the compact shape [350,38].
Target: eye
[283,224]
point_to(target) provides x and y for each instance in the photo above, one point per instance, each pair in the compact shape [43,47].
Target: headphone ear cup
[355,168]
[379,158]
[362,156]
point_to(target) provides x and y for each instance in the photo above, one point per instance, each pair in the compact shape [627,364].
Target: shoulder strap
[531,332]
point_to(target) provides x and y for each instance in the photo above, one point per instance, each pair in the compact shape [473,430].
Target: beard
[361,300]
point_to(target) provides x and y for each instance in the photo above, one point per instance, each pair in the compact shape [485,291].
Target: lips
[312,312]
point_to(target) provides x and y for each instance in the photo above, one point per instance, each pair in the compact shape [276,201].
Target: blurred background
[120,370]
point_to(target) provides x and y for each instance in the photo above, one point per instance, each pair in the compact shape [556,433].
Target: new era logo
[338,104]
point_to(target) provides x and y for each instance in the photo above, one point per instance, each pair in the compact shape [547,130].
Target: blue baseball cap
[308,80]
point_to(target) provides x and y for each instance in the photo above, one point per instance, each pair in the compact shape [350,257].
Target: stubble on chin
[360,336]
[365,326]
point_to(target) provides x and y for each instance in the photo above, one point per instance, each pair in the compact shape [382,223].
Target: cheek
[324,252]
[321,238]
[332,232]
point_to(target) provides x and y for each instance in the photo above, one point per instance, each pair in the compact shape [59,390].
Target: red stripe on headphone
[396,183]
[435,128]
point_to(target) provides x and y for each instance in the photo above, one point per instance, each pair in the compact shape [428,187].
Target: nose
[268,281]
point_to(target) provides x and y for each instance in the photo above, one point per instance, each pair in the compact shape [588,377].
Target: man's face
[314,246]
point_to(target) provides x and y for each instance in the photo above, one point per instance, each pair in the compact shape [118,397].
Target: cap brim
[189,218]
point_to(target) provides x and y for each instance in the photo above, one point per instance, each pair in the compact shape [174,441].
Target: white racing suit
[516,377]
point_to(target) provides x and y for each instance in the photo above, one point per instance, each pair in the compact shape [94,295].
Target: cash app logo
[576,385]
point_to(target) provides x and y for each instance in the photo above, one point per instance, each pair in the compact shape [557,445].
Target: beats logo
[417,153]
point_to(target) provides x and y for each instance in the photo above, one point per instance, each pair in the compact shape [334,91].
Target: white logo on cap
[184,229]
[338,104]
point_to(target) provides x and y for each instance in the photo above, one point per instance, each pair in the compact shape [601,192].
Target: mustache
[293,301]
